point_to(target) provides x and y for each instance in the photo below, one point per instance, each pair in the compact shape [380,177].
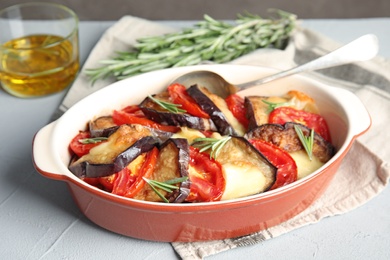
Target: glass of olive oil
[39,51]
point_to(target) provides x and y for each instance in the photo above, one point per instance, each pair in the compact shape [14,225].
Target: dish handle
[360,119]
[43,155]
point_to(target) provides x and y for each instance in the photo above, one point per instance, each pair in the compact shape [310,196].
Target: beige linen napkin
[354,184]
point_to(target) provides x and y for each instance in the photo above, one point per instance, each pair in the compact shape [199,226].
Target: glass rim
[60,6]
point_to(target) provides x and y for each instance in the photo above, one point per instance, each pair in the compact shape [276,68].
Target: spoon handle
[362,49]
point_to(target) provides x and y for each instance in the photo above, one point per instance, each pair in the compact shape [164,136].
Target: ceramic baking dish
[346,116]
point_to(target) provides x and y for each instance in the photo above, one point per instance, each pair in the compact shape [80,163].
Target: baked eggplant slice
[158,114]
[172,162]
[286,138]
[218,111]
[121,148]
[246,170]
[258,109]
[102,126]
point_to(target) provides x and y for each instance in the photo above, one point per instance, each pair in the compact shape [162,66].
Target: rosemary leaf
[156,191]
[273,105]
[92,140]
[166,186]
[307,141]
[213,144]
[171,107]
[176,180]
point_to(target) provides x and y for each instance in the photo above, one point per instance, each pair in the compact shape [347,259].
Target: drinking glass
[39,51]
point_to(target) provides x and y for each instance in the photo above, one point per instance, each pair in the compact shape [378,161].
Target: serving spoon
[362,49]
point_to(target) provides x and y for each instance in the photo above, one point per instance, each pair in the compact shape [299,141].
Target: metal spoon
[361,49]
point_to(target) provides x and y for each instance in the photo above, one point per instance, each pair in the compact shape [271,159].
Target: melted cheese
[188,133]
[242,180]
[118,142]
[103,153]
[304,165]
[221,104]
[302,101]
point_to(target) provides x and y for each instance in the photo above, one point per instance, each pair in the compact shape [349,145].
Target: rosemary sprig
[92,140]
[171,107]
[167,186]
[213,144]
[307,141]
[208,40]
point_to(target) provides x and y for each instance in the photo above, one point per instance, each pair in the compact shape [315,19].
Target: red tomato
[211,184]
[179,95]
[121,118]
[134,110]
[145,171]
[122,182]
[316,122]
[287,168]
[92,181]
[108,182]
[81,149]
[207,133]
[235,104]
[128,184]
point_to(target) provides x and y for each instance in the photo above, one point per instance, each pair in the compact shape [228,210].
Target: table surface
[39,219]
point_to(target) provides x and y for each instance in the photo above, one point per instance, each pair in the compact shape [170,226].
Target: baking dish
[346,116]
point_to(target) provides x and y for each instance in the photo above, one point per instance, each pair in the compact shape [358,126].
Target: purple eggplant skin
[91,170]
[183,155]
[286,138]
[94,170]
[160,115]
[162,136]
[102,126]
[256,111]
[207,105]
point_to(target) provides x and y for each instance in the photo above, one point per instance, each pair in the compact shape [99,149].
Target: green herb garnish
[167,186]
[307,141]
[208,40]
[273,105]
[171,107]
[213,144]
[92,140]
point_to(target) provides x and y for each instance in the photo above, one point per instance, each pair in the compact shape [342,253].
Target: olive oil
[38,65]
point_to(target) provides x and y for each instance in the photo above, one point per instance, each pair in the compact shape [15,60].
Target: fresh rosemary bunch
[208,40]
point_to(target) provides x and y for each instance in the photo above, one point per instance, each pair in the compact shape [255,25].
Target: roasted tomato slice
[179,95]
[282,115]
[127,183]
[122,117]
[107,182]
[122,182]
[235,104]
[92,181]
[287,168]
[207,181]
[133,110]
[79,148]
[145,171]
